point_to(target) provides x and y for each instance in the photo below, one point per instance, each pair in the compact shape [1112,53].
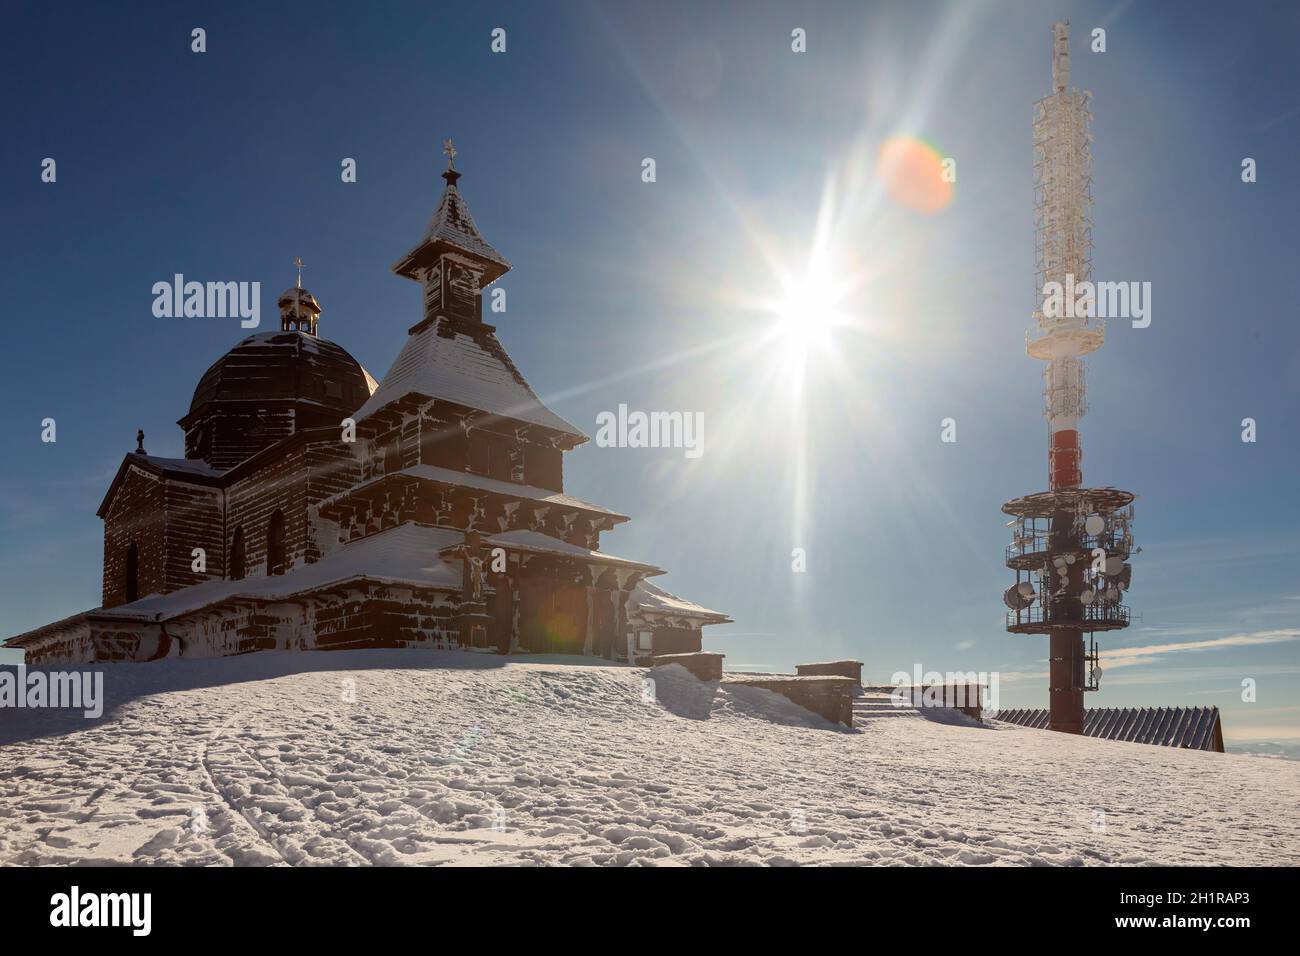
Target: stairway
[875,703]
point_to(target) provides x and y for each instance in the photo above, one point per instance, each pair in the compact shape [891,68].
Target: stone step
[868,706]
[882,707]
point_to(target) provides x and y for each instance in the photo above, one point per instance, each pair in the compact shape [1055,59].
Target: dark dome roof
[288,366]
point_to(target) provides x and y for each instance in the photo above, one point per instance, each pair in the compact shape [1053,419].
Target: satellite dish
[1114,565]
[1112,594]
[1095,525]
[1013,598]
[1026,590]
[1069,558]
[1088,596]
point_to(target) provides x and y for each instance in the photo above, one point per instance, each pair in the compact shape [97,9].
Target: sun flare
[803,327]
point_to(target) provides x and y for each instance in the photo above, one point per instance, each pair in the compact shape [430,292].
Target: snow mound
[422,757]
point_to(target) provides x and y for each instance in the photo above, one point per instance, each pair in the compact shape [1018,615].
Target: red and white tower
[1072,542]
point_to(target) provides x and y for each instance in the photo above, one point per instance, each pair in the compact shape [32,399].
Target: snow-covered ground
[437,757]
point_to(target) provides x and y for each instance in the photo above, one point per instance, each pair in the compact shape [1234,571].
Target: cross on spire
[450,174]
[297,261]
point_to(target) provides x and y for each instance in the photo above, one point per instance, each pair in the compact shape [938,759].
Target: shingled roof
[1192,728]
[468,366]
[651,599]
[453,228]
[406,554]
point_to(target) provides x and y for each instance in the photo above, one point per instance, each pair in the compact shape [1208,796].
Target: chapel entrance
[553,616]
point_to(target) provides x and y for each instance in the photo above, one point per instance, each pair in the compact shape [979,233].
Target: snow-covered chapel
[316,509]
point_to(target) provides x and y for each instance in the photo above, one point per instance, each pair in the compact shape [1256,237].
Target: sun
[803,328]
[807,316]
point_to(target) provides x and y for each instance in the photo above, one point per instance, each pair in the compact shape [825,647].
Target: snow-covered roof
[481,482]
[183,469]
[180,466]
[407,554]
[538,543]
[471,370]
[300,295]
[452,225]
[651,599]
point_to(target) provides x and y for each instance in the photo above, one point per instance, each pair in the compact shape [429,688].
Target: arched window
[275,544]
[237,554]
[132,572]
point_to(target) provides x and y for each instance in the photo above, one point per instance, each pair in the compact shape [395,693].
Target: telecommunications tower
[1070,544]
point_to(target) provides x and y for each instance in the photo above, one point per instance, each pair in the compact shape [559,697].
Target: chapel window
[275,544]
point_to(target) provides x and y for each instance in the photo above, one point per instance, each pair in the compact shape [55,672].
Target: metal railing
[1037,542]
[1103,615]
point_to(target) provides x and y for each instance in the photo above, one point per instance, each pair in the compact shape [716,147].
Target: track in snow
[262,760]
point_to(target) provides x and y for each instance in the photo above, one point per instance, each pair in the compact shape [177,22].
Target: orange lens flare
[913,174]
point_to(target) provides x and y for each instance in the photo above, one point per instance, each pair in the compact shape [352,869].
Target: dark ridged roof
[285,365]
[1193,728]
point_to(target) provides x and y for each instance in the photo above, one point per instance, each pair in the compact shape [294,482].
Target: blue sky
[225,165]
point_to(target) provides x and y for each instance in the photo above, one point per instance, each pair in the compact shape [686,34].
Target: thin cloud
[1133,656]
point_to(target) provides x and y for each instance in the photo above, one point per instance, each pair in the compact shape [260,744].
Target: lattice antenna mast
[1058,534]
[1063,251]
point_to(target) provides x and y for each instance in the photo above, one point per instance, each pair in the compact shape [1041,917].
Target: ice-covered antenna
[1061,56]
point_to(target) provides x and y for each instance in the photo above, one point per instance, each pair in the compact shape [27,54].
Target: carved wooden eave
[637,615]
[460,418]
[391,415]
[657,607]
[492,492]
[557,554]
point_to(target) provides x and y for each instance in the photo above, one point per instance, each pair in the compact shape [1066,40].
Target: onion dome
[299,310]
[266,388]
